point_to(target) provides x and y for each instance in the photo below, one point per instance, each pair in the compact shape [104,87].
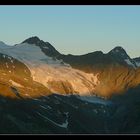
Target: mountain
[45,92]
[46,47]
[88,74]
[99,59]
[121,56]
[54,74]
[115,69]
[119,52]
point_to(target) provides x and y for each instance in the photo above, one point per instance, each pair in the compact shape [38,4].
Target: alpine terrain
[43,91]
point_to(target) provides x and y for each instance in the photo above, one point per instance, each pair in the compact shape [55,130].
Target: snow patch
[25,79]
[27,95]
[12,61]
[63,125]
[4,56]
[15,83]
[7,65]
[9,57]
[45,47]
[95,111]
[116,50]
[93,99]
[13,66]
[138,64]
[45,107]
[35,99]
[129,63]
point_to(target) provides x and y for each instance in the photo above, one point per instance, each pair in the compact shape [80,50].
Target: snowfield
[45,69]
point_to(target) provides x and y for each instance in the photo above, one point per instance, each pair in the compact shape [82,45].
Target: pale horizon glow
[74,29]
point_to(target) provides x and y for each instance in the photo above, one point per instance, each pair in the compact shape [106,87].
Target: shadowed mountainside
[57,114]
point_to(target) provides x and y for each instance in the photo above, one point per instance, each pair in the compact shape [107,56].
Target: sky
[74,29]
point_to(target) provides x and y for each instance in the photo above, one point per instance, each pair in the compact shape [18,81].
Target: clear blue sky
[74,29]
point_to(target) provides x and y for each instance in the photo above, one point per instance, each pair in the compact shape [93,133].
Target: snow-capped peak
[46,47]
[35,40]
[32,40]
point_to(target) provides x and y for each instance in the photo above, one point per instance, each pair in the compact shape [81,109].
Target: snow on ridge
[2,44]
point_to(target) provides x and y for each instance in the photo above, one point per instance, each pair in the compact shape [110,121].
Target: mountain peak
[119,54]
[32,40]
[36,41]
[46,47]
[119,51]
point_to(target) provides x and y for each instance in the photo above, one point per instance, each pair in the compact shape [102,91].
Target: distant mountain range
[45,91]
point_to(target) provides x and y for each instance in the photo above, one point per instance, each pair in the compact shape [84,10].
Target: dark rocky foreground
[57,114]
